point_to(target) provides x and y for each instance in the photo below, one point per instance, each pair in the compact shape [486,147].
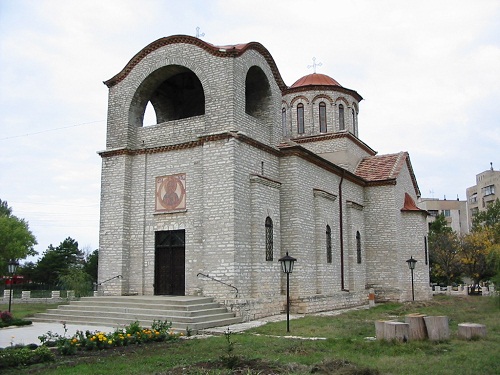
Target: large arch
[257,93]
[174,91]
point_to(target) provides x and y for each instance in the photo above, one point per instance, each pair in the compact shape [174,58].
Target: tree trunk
[437,327]
[396,331]
[418,331]
[469,331]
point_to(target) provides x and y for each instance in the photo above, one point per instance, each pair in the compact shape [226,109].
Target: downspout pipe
[341,228]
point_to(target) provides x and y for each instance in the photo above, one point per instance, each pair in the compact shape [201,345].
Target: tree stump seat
[470,331]
[437,327]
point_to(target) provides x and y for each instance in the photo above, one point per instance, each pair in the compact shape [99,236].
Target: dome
[315,80]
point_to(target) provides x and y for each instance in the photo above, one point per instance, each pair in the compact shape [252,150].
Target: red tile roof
[381,167]
[410,205]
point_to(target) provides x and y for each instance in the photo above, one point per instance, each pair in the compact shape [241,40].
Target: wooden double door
[170,261]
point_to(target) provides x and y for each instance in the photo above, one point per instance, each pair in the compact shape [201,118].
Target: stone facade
[231,178]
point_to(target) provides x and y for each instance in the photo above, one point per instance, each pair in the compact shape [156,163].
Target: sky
[429,73]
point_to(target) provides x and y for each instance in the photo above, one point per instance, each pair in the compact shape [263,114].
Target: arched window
[341,117]
[322,117]
[354,122]
[269,238]
[283,122]
[300,118]
[328,244]
[358,246]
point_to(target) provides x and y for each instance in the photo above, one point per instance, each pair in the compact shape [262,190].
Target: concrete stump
[469,331]
[437,327]
[417,328]
[396,331]
[379,329]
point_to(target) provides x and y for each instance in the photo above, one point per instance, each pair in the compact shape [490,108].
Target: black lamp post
[411,265]
[12,269]
[287,263]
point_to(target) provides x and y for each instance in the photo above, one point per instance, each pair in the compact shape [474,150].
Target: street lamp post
[12,269]
[287,263]
[411,265]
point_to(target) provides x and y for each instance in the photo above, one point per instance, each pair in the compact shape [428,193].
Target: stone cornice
[284,150]
[257,178]
[324,194]
[330,136]
[344,90]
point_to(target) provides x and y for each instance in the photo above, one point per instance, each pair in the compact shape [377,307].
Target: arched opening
[257,93]
[322,117]
[341,117]
[149,115]
[300,118]
[174,92]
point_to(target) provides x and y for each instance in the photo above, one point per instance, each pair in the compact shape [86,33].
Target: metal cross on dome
[198,35]
[314,65]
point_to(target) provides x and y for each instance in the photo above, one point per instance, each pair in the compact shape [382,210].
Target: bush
[24,356]
[6,320]
[6,316]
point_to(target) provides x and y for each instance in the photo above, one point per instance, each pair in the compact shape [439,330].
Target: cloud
[428,72]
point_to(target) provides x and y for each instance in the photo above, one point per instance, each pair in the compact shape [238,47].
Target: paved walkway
[29,334]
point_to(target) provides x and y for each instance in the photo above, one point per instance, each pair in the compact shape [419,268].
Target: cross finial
[198,35]
[314,65]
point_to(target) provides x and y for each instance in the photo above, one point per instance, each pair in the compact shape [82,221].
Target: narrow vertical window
[269,238]
[328,244]
[283,122]
[322,117]
[358,246]
[300,118]
[341,117]
[425,250]
[354,123]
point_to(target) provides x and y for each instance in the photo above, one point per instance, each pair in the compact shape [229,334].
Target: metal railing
[96,285]
[219,281]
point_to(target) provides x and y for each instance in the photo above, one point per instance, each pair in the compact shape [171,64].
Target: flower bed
[133,334]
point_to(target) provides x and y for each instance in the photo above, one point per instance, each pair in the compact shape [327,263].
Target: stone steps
[184,312]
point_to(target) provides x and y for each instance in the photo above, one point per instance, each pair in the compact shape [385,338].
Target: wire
[50,130]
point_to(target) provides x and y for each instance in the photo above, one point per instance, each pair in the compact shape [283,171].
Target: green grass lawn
[23,310]
[344,340]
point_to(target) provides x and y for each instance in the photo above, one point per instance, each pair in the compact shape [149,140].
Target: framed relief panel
[171,193]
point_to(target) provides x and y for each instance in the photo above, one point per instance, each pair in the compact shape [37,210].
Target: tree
[489,218]
[475,253]
[16,239]
[90,265]
[78,280]
[444,257]
[486,232]
[443,252]
[57,260]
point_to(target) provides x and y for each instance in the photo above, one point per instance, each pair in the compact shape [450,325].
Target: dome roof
[315,79]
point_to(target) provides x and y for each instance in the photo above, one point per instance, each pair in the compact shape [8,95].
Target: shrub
[6,316]
[24,356]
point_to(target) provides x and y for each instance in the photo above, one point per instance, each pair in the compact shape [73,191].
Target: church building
[241,169]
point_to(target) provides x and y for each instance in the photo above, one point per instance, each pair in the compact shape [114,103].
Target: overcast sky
[429,73]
